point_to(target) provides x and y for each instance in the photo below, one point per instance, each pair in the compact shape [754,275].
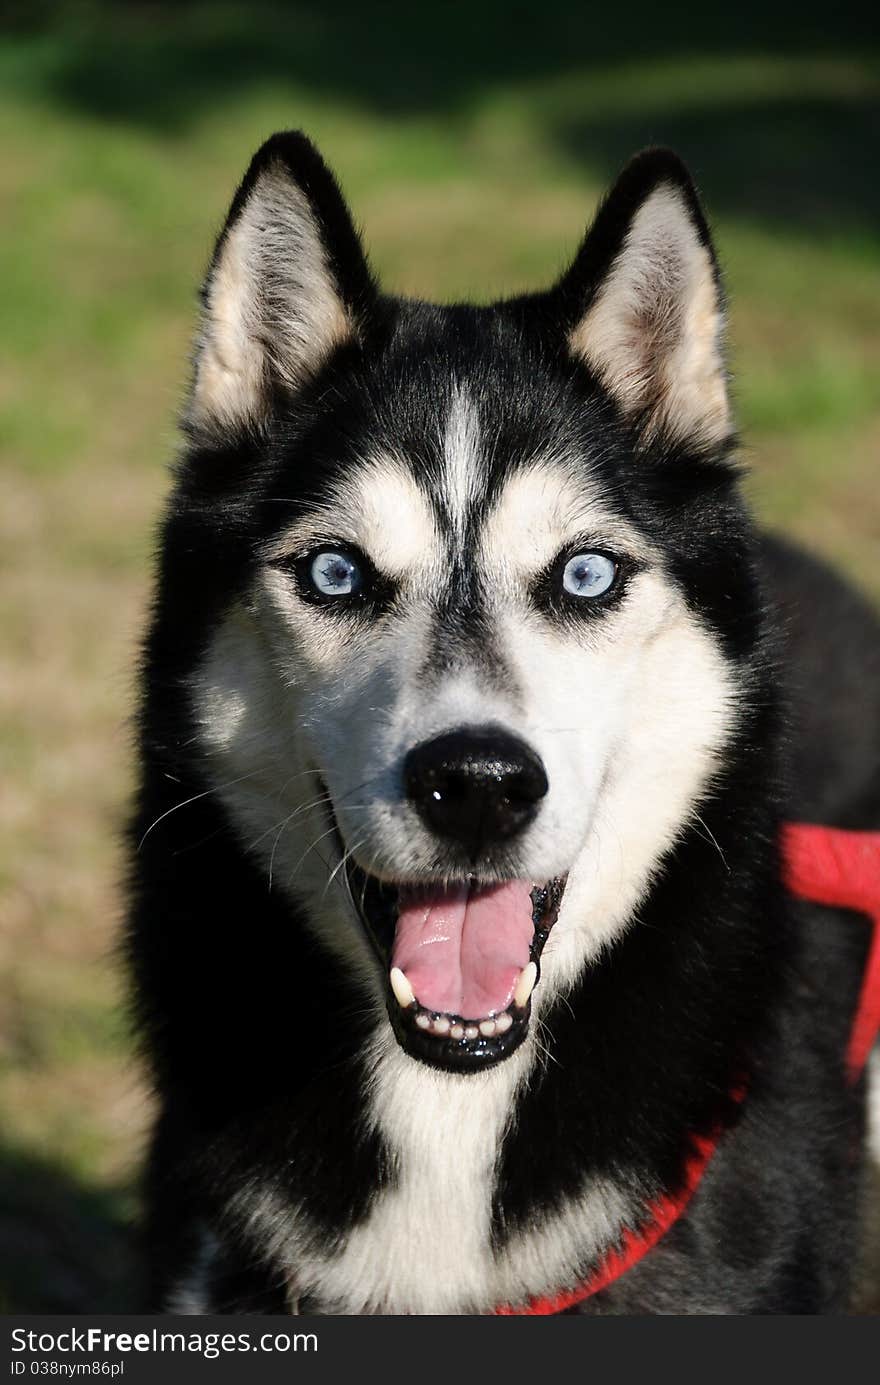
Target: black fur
[261,1081]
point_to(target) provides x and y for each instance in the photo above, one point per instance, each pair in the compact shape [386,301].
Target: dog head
[480,642]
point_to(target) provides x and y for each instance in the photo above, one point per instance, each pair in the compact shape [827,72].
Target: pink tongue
[463,949]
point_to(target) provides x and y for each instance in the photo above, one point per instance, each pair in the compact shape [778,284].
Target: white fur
[191,1296]
[425,1247]
[542,509]
[461,455]
[271,283]
[654,330]
[382,510]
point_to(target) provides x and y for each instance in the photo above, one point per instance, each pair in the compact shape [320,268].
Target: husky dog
[472,707]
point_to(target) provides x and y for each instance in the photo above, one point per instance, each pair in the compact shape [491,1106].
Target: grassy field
[473,142]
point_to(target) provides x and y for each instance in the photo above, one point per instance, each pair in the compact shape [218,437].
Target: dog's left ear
[643,306]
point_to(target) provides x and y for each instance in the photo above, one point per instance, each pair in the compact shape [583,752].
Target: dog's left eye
[589,574]
[333,574]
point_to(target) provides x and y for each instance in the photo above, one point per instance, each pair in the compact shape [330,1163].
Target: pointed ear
[644,305]
[287,285]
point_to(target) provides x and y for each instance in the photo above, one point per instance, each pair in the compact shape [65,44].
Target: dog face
[473,669]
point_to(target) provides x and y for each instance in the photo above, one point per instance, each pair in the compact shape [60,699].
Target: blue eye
[335,574]
[589,574]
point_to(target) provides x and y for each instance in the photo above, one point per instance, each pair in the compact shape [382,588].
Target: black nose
[477,787]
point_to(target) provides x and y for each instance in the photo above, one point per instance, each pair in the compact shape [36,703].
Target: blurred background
[473,141]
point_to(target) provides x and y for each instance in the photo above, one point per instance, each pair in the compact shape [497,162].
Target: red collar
[822,864]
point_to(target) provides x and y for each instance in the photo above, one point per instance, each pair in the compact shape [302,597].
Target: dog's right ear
[288,284]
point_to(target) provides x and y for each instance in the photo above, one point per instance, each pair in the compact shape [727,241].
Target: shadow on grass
[801,159]
[64,1247]
[796,164]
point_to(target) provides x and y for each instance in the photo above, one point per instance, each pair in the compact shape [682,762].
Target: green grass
[473,141]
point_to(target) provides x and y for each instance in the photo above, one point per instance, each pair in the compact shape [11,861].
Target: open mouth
[461,962]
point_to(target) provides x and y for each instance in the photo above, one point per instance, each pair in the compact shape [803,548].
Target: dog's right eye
[331,574]
[338,577]
[334,574]
[589,575]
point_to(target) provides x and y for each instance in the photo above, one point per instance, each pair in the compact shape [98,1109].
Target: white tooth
[525,985]
[441,1025]
[471,1031]
[456,1031]
[487,1027]
[503,1023]
[423,1021]
[402,989]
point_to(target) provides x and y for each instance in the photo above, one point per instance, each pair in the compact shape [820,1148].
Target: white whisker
[193,799]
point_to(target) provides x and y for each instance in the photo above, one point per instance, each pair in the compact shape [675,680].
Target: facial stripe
[462,467]
[463,632]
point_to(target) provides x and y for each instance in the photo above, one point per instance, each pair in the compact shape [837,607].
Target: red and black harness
[826,866]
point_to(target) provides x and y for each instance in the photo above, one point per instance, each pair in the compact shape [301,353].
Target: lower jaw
[462,1046]
[453,1043]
